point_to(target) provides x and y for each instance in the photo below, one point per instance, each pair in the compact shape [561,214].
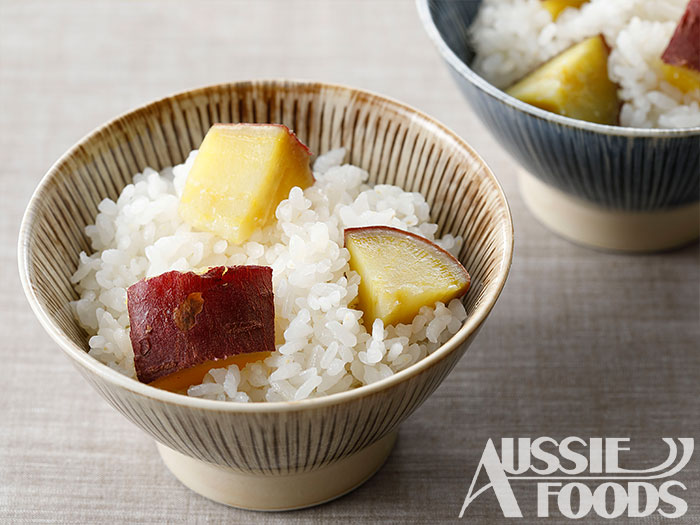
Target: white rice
[513,37]
[326,348]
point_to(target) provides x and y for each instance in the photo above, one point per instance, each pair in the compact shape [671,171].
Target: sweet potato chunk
[555,7]
[401,272]
[681,58]
[574,84]
[684,48]
[682,78]
[179,320]
[180,381]
[241,173]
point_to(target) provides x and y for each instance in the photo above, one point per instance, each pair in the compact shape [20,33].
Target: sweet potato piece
[241,173]
[401,272]
[684,48]
[681,66]
[682,78]
[555,7]
[575,84]
[179,320]
[180,381]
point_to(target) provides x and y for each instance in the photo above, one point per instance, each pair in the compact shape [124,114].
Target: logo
[557,471]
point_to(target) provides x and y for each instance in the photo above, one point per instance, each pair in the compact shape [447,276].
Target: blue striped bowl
[612,187]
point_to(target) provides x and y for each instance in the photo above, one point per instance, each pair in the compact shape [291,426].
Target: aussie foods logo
[582,478]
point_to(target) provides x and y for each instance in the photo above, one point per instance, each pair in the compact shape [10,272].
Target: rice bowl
[513,37]
[272,455]
[610,187]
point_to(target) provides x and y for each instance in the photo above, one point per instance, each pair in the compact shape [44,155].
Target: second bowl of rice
[632,187]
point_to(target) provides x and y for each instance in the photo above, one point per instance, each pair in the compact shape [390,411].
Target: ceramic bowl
[278,455]
[610,187]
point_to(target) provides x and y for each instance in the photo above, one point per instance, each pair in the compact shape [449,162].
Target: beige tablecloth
[581,343]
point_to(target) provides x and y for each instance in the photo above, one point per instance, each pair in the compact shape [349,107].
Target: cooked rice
[326,348]
[513,37]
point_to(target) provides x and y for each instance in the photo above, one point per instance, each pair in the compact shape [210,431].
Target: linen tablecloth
[581,343]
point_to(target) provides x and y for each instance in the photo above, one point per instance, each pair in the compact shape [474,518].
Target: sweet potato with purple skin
[684,48]
[179,320]
[400,273]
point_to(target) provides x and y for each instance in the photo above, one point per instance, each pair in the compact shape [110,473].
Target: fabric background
[581,342]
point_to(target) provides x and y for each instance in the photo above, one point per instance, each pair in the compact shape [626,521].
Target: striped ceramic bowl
[606,186]
[269,455]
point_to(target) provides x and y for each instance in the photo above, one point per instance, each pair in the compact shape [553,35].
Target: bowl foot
[599,227]
[281,492]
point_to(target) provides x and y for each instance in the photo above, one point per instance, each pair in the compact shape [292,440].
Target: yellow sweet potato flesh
[683,78]
[240,175]
[400,273]
[555,7]
[180,381]
[574,84]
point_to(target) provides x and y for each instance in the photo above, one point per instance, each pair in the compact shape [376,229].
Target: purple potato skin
[181,319]
[684,48]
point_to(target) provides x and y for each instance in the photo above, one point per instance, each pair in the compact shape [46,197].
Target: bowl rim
[104,372]
[465,71]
